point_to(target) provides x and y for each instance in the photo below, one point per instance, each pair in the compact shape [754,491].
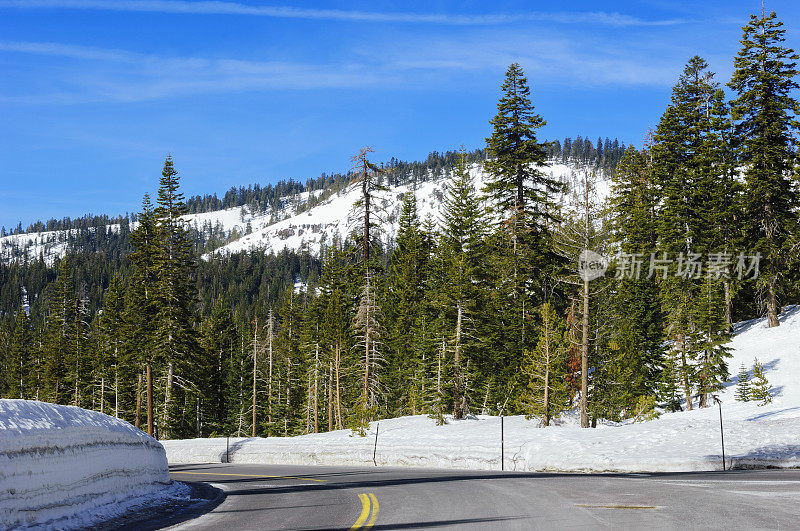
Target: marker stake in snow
[375,448]
[502,444]
[721,433]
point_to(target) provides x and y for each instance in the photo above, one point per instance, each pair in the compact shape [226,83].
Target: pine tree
[667,384]
[520,254]
[175,338]
[18,364]
[141,310]
[765,112]
[637,337]
[545,394]
[57,334]
[459,257]
[689,170]
[760,390]
[291,364]
[521,190]
[220,344]
[743,391]
[404,303]
[113,366]
[712,369]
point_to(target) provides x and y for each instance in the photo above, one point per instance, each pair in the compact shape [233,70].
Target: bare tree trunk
[439,377]
[271,337]
[288,396]
[309,403]
[585,357]
[338,389]
[316,391]
[102,393]
[772,303]
[168,398]
[330,398]
[458,408]
[149,400]
[728,305]
[366,196]
[138,401]
[685,374]
[546,368]
[255,370]
[116,391]
[366,346]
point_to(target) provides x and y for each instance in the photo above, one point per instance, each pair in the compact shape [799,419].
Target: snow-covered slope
[322,223]
[754,435]
[285,229]
[66,467]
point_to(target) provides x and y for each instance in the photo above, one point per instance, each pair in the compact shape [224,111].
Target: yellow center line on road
[369,506]
[248,476]
[375,508]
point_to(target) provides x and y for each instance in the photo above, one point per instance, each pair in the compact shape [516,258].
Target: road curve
[315,497]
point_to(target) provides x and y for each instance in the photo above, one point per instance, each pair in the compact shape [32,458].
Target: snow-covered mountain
[310,229]
[294,227]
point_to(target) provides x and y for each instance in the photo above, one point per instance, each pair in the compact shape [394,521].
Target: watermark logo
[637,266]
[591,265]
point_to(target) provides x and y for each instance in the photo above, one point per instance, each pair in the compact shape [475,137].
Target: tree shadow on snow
[771,413]
[788,312]
[762,457]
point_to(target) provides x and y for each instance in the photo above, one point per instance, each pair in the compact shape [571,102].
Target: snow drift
[755,435]
[63,466]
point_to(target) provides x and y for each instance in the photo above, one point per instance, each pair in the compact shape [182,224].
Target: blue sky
[95,93]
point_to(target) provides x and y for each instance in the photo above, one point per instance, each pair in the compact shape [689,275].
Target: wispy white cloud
[214,7]
[412,63]
[119,75]
[548,58]
[68,50]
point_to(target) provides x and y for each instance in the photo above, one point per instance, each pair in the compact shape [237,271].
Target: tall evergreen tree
[18,364]
[637,337]
[523,256]
[460,257]
[765,111]
[522,191]
[141,310]
[175,337]
[57,334]
[690,171]
[113,367]
[404,303]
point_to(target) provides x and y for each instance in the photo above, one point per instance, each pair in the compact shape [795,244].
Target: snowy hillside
[322,223]
[286,229]
[66,467]
[47,244]
[754,435]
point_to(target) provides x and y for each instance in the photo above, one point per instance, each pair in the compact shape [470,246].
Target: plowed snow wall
[60,461]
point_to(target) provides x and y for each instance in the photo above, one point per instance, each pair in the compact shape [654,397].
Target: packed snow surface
[755,435]
[66,467]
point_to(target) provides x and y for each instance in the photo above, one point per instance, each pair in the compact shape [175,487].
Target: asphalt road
[315,497]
